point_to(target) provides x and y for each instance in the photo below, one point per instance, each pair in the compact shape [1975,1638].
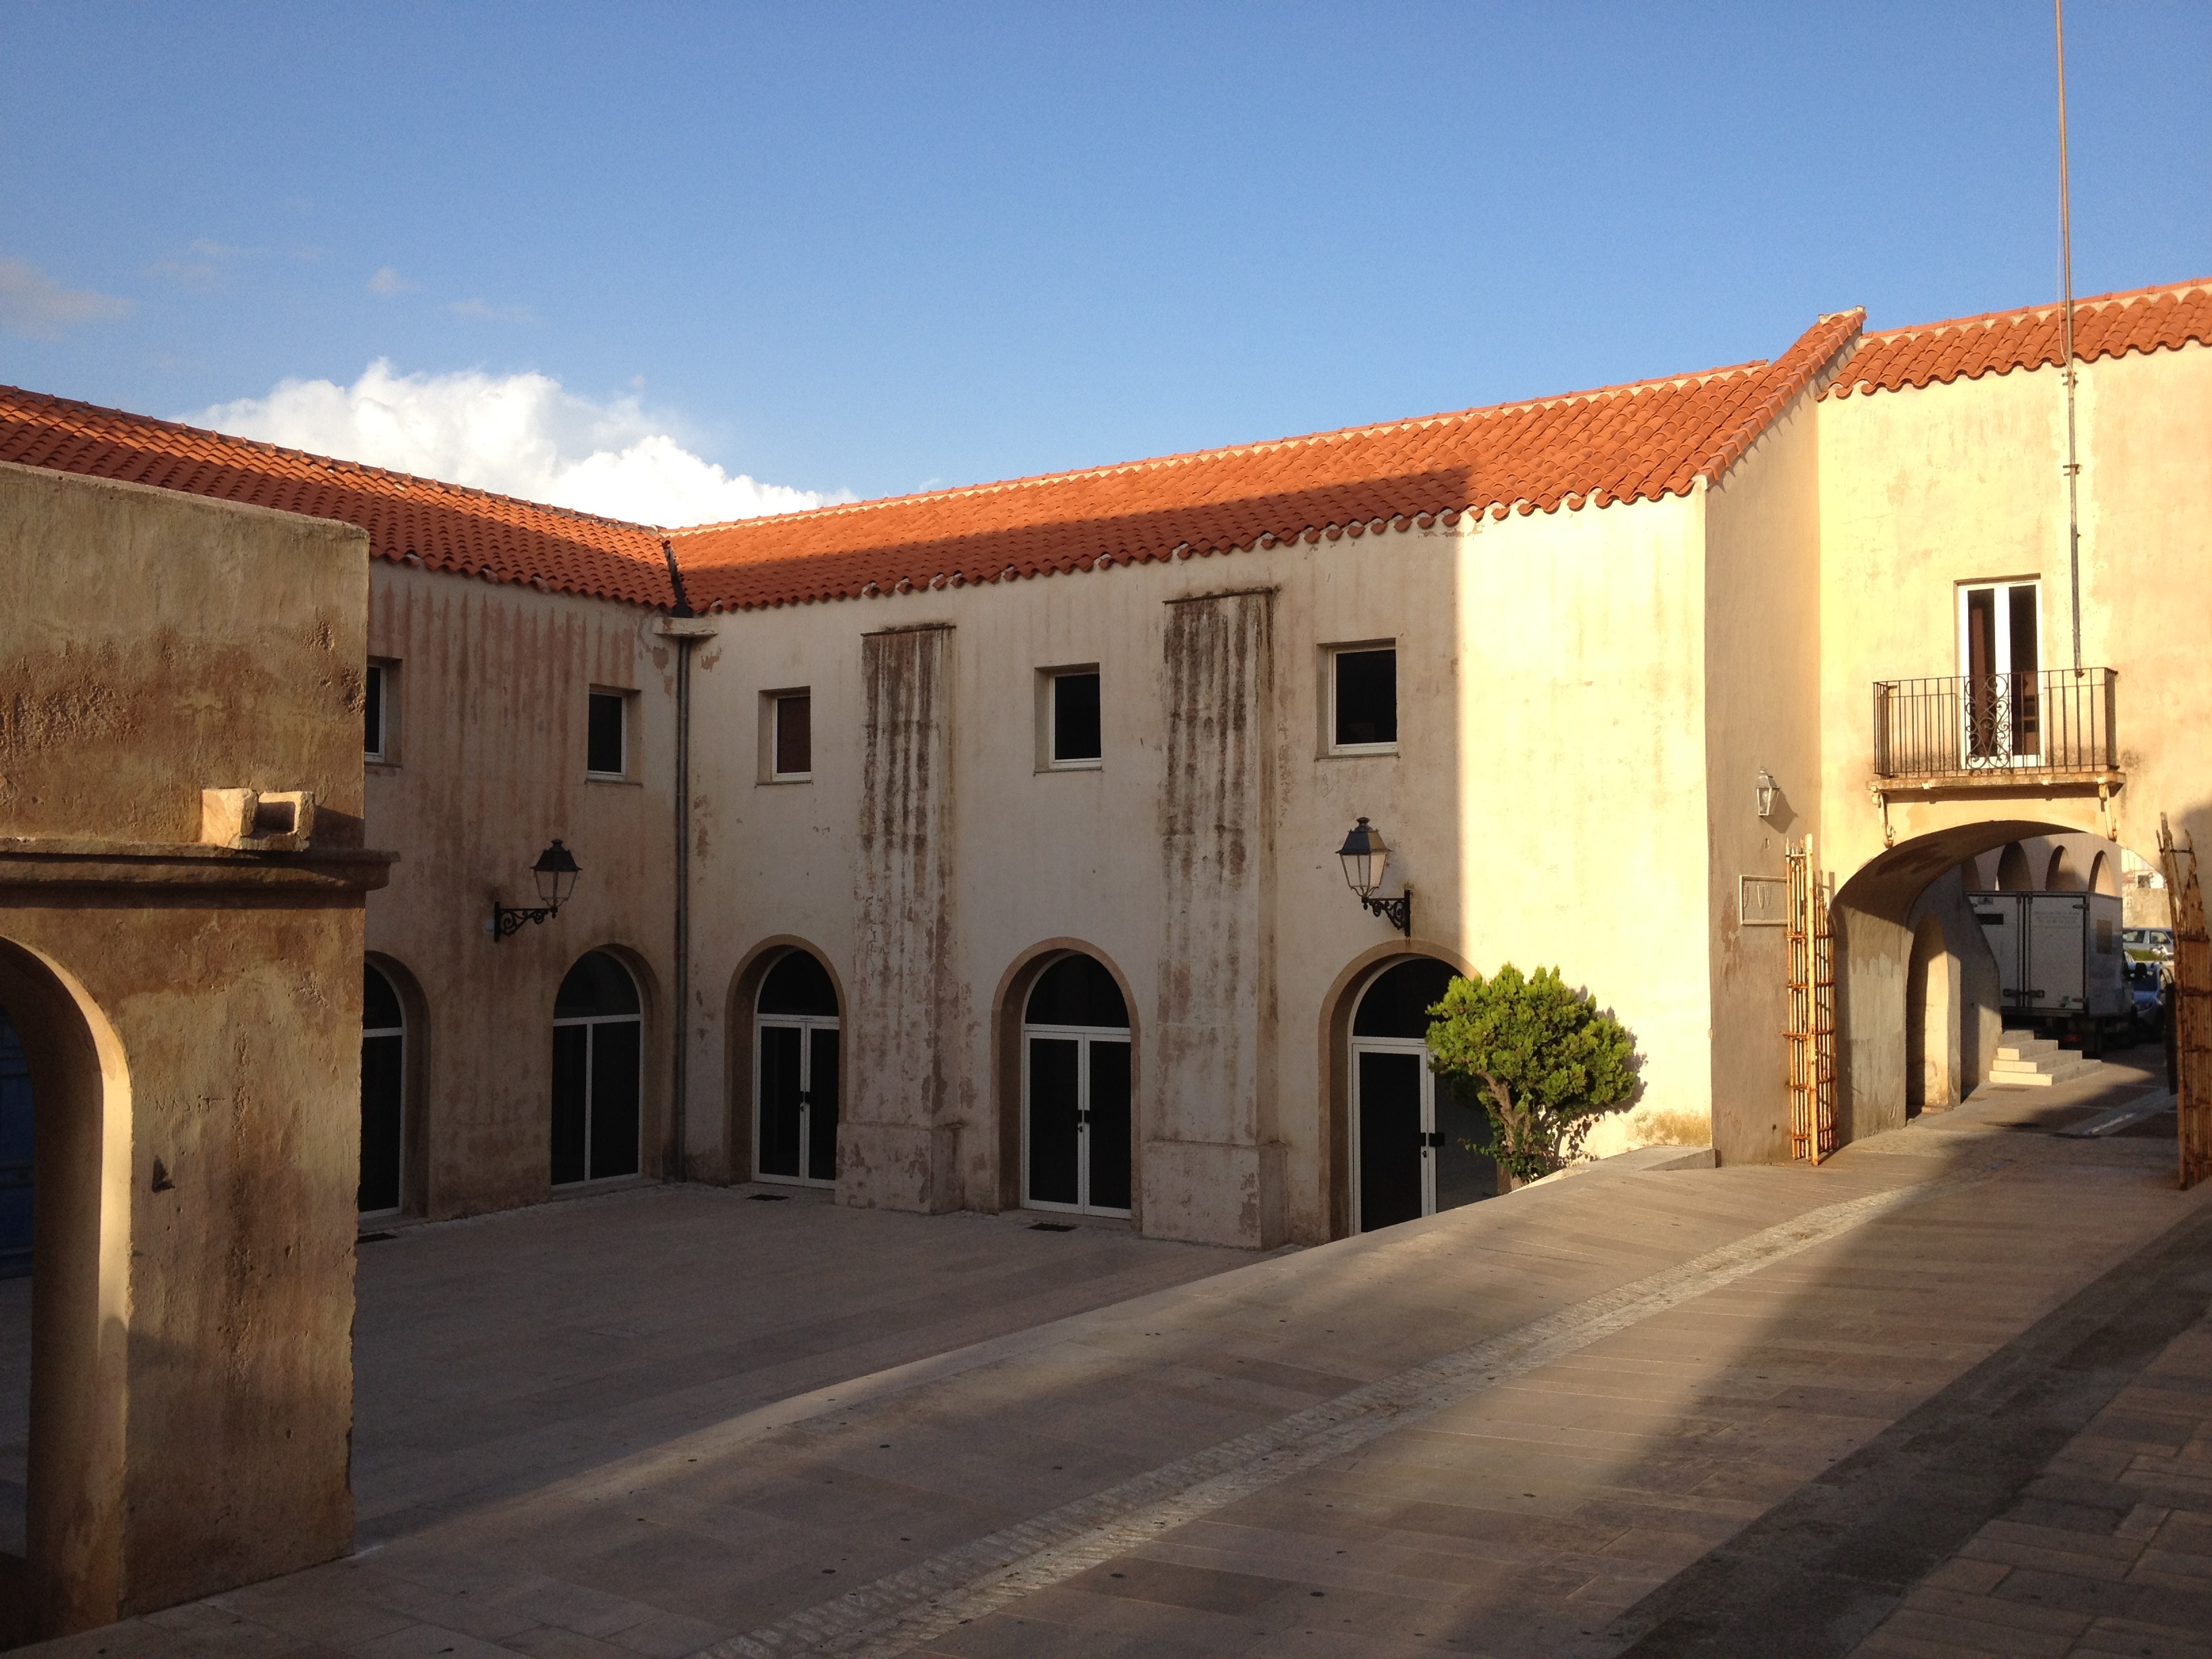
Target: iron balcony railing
[1991,725]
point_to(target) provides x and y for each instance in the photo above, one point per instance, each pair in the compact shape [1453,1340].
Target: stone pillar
[1212,1160]
[896,1149]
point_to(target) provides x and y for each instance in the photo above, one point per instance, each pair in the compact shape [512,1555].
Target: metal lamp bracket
[1398,912]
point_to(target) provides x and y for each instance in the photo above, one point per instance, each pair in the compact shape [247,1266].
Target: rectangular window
[605,737]
[1363,700]
[1075,735]
[794,715]
[373,714]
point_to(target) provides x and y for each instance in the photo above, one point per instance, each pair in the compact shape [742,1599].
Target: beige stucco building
[980,849]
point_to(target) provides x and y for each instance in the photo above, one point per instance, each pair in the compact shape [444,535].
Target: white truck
[2060,961]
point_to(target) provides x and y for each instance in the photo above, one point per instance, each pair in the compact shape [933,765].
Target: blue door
[15,1154]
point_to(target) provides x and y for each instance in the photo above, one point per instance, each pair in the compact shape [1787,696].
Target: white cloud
[492,313]
[36,307]
[387,281]
[520,435]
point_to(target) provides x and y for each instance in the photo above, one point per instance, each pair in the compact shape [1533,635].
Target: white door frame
[806,1025]
[1428,1117]
[1999,589]
[591,1104]
[1083,1036]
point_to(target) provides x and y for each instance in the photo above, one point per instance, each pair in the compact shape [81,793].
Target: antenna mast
[2066,278]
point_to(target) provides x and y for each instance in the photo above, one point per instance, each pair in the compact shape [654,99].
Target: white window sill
[789,777]
[611,777]
[1358,750]
[1098,765]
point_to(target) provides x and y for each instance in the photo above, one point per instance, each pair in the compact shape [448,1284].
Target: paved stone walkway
[1629,1411]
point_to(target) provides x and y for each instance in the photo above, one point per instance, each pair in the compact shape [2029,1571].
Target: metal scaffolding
[2192,1005]
[1812,1032]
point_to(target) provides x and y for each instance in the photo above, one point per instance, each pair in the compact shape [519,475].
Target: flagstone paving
[1632,1410]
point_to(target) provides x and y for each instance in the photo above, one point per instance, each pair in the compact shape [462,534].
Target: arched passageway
[796,1095]
[17,1132]
[598,1061]
[1078,1121]
[66,1386]
[1924,994]
[1411,1140]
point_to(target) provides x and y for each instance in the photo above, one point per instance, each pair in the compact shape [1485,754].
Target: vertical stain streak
[906,989]
[1215,838]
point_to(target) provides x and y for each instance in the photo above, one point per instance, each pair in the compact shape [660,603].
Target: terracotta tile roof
[2145,320]
[444,526]
[1626,443]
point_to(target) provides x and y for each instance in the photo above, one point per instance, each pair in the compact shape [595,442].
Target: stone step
[2024,1045]
[2042,1072]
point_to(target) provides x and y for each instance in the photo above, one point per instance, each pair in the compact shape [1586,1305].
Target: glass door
[1076,1121]
[1411,1152]
[795,1100]
[2000,654]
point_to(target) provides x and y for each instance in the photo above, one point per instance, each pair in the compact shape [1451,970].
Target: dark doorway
[15,1146]
[1078,1125]
[383,1093]
[795,1096]
[598,1050]
[1415,1145]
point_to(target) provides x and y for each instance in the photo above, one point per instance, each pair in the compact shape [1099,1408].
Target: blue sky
[865,249]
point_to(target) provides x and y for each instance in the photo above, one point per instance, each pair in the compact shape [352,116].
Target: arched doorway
[795,1093]
[17,1127]
[598,1053]
[383,1094]
[1409,1141]
[1077,1149]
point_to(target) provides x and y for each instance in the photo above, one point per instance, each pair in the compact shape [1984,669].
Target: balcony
[1997,731]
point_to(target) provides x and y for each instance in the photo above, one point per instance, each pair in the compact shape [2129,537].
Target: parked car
[2148,944]
[2146,981]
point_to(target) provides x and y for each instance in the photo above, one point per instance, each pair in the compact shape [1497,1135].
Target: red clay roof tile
[1619,444]
[2144,319]
[445,526]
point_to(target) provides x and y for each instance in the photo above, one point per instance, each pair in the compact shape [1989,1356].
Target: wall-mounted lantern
[1766,794]
[557,873]
[1365,856]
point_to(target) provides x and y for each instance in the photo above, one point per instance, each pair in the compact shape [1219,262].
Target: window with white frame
[788,735]
[1070,738]
[380,707]
[1360,699]
[606,734]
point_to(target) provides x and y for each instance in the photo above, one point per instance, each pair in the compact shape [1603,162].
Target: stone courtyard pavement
[1949,1393]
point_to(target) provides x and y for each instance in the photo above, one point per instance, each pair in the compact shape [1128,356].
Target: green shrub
[1542,1060]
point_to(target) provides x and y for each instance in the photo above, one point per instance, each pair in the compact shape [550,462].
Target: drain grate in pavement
[769,1198]
[373,1238]
[1052,1226]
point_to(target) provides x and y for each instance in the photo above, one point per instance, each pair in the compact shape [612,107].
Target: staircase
[2025,1060]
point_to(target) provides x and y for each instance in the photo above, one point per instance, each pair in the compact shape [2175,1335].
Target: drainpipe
[686,630]
[2066,270]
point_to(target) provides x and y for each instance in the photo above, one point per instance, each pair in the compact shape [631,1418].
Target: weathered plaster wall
[897,1145]
[1213,1157]
[1922,490]
[193,1019]
[1762,598]
[1506,805]
[490,691]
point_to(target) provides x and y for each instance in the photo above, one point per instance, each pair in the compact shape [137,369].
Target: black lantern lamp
[1365,856]
[556,872]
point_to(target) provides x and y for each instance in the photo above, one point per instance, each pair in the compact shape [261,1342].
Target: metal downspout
[2066,270]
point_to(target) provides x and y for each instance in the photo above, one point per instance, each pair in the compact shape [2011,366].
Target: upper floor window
[376,714]
[607,735]
[1071,736]
[1361,699]
[791,736]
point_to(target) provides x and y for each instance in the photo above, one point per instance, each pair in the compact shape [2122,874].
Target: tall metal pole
[2066,274]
